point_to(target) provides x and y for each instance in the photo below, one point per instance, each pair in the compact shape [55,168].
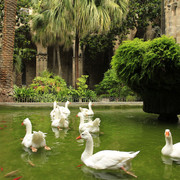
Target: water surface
[122,128]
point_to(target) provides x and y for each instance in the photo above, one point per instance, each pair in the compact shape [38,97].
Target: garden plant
[151,69]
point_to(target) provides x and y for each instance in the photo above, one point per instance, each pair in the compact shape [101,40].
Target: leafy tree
[24,49]
[86,17]
[140,14]
[51,28]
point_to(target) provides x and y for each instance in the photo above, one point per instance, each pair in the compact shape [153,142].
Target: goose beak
[79,137]
[22,124]
[76,115]
[167,133]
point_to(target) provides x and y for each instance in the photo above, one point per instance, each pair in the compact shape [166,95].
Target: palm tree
[6,63]
[45,28]
[89,16]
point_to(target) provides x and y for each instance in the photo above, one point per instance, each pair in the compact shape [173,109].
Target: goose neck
[81,120]
[169,141]
[66,105]
[28,129]
[88,149]
[90,108]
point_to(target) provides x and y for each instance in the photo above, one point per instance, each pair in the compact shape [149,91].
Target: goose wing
[109,159]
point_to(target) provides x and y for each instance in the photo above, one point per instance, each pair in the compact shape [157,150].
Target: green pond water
[122,128]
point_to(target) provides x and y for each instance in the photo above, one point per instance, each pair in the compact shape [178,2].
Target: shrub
[82,86]
[152,70]
[131,98]
[111,86]
[146,65]
[48,83]
[48,88]
[127,62]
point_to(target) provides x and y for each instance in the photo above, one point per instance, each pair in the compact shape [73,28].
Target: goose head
[80,114]
[168,134]
[54,104]
[67,103]
[28,125]
[168,137]
[84,135]
[168,148]
[26,122]
[90,103]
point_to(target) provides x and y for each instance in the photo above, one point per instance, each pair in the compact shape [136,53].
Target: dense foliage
[112,87]
[149,65]
[49,87]
[141,13]
[24,49]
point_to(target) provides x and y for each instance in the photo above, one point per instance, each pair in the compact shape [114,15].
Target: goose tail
[96,122]
[38,137]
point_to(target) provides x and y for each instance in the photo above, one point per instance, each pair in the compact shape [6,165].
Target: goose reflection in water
[104,174]
[34,159]
[60,133]
[169,161]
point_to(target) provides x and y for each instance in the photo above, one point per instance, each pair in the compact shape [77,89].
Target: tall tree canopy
[78,18]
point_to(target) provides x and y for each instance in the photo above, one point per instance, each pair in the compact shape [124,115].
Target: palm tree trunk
[59,61]
[6,63]
[76,58]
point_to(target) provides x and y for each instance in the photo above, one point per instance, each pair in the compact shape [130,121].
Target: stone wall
[30,72]
[172,18]
[66,63]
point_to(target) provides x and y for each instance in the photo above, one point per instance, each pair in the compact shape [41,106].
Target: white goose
[65,109]
[56,118]
[106,159]
[169,149]
[91,126]
[33,140]
[52,113]
[63,123]
[87,112]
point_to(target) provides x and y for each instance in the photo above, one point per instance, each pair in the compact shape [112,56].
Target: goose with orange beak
[106,159]
[33,140]
[169,149]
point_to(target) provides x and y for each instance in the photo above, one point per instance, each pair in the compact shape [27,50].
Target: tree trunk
[6,63]
[54,59]
[76,58]
[59,61]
